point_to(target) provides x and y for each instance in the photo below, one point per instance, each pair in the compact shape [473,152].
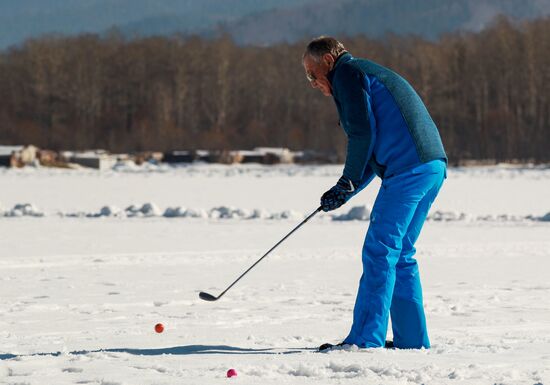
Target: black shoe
[324,348]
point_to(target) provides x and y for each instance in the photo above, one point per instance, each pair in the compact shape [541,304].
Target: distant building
[280,154]
[17,156]
[98,159]
[261,155]
[316,157]
[6,154]
[184,156]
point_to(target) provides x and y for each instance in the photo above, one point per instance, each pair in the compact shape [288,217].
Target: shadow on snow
[177,350]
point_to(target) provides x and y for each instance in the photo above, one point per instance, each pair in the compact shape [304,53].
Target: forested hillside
[488,92]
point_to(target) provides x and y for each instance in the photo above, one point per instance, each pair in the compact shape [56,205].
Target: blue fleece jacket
[388,127]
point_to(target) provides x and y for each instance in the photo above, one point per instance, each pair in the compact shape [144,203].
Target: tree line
[488,92]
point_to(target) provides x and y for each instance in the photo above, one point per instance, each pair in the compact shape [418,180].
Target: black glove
[338,194]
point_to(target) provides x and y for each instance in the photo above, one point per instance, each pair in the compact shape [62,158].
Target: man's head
[318,59]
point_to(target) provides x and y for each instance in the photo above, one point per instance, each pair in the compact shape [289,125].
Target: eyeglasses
[310,76]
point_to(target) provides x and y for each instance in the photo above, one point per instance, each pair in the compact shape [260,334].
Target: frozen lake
[81,294]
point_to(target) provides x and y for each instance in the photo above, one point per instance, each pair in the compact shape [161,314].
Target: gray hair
[323,45]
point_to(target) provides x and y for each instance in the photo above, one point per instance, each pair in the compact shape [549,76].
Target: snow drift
[152,210]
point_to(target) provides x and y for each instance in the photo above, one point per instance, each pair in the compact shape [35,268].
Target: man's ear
[329,60]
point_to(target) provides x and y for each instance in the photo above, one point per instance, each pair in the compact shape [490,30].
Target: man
[391,135]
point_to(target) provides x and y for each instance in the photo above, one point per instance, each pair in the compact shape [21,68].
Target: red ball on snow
[231,373]
[159,328]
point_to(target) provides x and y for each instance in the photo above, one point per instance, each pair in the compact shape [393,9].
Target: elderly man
[391,135]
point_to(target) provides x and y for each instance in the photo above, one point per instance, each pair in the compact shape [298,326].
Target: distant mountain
[256,21]
[22,19]
[374,18]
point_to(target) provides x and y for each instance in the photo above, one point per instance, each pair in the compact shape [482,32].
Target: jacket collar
[343,58]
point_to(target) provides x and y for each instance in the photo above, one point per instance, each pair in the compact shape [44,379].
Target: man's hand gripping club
[338,194]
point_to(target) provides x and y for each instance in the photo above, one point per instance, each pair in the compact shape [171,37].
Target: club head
[207,297]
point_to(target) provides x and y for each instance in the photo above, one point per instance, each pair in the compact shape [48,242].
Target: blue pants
[390,283]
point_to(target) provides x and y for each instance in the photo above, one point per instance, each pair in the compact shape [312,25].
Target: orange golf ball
[159,328]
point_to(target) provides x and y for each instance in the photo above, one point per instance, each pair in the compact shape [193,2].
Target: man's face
[317,73]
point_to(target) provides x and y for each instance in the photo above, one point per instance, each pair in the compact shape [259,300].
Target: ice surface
[262,190]
[116,252]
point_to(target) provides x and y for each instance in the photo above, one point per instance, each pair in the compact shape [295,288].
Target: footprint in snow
[72,370]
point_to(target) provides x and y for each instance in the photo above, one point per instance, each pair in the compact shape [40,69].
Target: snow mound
[195,213]
[146,210]
[182,212]
[221,212]
[110,211]
[453,216]
[174,212]
[22,210]
[151,210]
[447,216]
[362,213]
[505,218]
[229,212]
[260,214]
[357,213]
[288,214]
[306,370]
[224,212]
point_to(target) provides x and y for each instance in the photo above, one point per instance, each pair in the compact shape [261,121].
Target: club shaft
[270,250]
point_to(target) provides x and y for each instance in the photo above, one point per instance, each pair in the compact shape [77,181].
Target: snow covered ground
[83,283]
